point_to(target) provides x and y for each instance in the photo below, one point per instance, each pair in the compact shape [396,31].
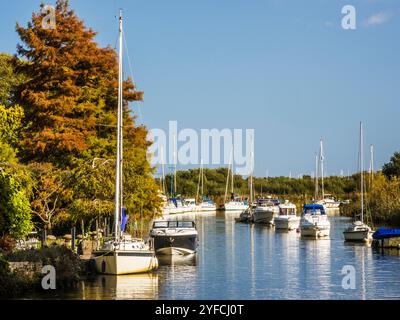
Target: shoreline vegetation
[58,102]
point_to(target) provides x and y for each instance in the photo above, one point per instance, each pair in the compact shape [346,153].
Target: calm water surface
[240,261]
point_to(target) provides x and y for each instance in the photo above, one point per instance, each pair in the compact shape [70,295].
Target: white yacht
[359,231]
[191,205]
[174,237]
[122,254]
[287,218]
[207,205]
[266,210]
[236,204]
[314,221]
[329,202]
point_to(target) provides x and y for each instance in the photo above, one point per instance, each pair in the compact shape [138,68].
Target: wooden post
[44,237]
[83,228]
[73,233]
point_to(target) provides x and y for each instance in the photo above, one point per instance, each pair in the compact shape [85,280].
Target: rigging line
[133,79]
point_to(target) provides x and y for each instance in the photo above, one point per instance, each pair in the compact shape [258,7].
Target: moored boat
[314,221]
[386,238]
[266,210]
[359,231]
[122,254]
[287,218]
[174,237]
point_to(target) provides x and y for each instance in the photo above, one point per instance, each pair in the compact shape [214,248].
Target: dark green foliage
[392,169]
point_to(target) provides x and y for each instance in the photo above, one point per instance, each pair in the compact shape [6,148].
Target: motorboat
[329,202]
[207,205]
[314,221]
[236,204]
[287,218]
[172,237]
[266,210]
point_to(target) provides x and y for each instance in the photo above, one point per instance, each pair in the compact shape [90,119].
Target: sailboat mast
[228,176]
[251,178]
[371,165]
[118,175]
[362,171]
[175,163]
[321,153]
[202,178]
[163,169]
[198,184]
[232,189]
[316,178]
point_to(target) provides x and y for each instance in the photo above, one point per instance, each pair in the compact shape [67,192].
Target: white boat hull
[121,262]
[316,227]
[263,216]
[287,223]
[235,207]
[175,251]
[360,236]
[315,232]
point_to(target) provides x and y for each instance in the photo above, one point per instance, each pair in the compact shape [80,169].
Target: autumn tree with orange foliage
[70,106]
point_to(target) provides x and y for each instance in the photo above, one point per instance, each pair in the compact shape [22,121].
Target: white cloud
[377,18]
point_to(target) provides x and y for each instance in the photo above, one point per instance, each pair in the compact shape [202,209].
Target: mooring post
[44,237]
[73,233]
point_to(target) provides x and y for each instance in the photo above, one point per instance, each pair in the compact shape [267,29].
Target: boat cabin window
[160,224]
[287,211]
[314,212]
[185,224]
[173,224]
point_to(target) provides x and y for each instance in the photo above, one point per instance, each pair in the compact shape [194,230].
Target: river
[241,261]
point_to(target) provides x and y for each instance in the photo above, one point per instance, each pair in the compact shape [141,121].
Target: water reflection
[241,261]
[174,260]
[105,287]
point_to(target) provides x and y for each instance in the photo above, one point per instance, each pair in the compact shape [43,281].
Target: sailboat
[122,254]
[314,221]
[359,231]
[327,200]
[236,203]
[206,204]
[247,215]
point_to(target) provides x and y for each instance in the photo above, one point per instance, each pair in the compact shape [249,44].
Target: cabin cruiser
[266,210]
[236,204]
[191,205]
[287,218]
[175,206]
[358,231]
[174,237]
[207,205]
[329,202]
[314,221]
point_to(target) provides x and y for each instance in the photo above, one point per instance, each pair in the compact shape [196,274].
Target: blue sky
[284,68]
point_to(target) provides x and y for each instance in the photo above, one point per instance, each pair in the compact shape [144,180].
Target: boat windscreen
[160,224]
[185,224]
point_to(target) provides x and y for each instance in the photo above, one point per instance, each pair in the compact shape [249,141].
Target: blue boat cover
[385,233]
[174,201]
[314,206]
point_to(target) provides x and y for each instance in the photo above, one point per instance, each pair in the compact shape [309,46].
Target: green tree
[15,210]
[9,79]
[392,168]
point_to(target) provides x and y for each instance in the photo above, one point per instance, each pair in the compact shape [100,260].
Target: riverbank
[21,271]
